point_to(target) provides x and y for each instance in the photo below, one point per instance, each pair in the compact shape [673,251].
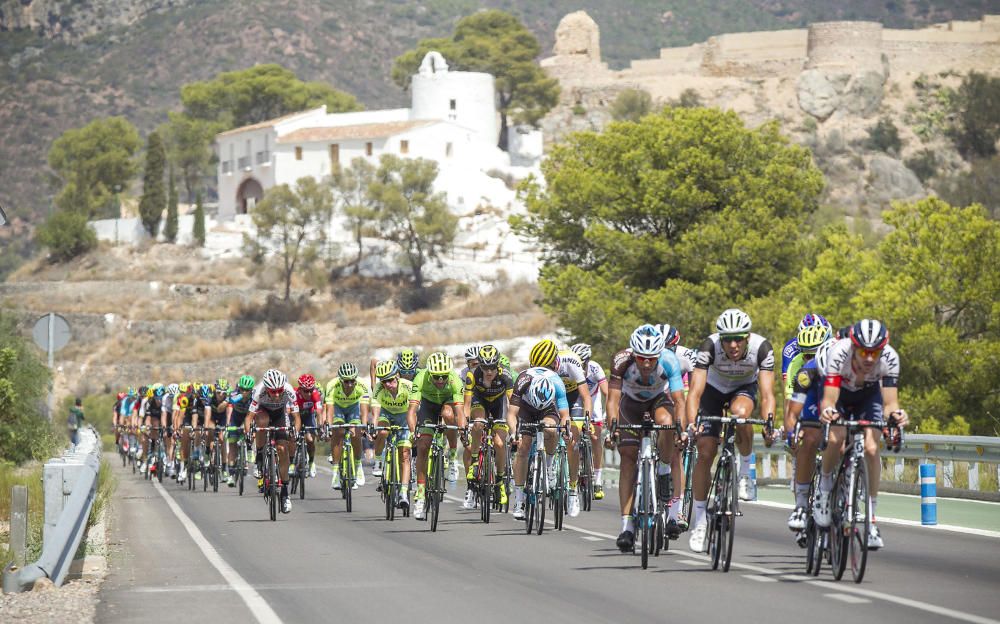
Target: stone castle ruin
[835,66]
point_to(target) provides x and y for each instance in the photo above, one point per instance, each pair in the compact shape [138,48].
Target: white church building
[452,119]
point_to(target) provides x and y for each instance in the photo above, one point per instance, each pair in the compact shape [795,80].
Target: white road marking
[254,601]
[849,599]
[760,578]
[591,538]
[693,562]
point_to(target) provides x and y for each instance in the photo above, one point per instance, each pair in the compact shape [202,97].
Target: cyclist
[187,408]
[273,404]
[471,360]
[804,390]
[153,415]
[570,370]
[217,406]
[347,399]
[732,363]
[597,383]
[539,396]
[408,363]
[862,379]
[792,349]
[310,401]
[205,396]
[471,364]
[439,392]
[393,403]
[640,378]
[687,358]
[237,407]
[115,411]
[487,389]
[127,417]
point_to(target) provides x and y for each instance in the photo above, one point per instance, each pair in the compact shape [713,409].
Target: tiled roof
[358,131]
[264,124]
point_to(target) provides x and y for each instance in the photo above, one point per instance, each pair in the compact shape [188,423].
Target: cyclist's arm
[588,401]
[614,398]
[512,411]
[371,372]
[830,395]
[890,402]
[696,387]
[411,416]
[468,402]
[563,416]
[766,382]
[792,414]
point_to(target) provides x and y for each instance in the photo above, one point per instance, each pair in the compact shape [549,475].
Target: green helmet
[504,361]
[348,371]
[246,382]
[386,369]
[439,363]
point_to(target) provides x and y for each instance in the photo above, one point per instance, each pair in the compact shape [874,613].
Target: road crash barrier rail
[70,484]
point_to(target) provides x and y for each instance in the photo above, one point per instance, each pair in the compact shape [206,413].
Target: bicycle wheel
[860,521]
[730,517]
[541,492]
[529,499]
[271,484]
[687,505]
[644,517]
[487,479]
[561,492]
[437,481]
[838,538]
[813,542]
[347,470]
[716,511]
[585,484]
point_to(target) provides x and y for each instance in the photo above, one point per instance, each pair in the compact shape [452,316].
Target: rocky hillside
[63,63]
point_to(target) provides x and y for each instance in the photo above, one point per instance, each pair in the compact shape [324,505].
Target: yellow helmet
[543,354]
[811,337]
[386,369]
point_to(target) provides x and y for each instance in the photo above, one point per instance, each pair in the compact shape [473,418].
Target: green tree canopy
[497,43]
[681,214]
[66,235]
[24,431]
[409,212]
[91,161]
[188,142]
[154,195]
[287,222]
[261,92]
[170,227]
[350,187]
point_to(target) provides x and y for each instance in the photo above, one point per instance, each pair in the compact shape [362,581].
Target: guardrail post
[928,494]
[765,463]
[18,523]
[897,470]
[974,475]
[948,473]
[782,467]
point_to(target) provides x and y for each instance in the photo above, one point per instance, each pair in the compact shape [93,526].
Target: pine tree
[199,221]
[170,230]
[154,197]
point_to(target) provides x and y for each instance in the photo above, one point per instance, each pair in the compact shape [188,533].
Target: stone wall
[857,45]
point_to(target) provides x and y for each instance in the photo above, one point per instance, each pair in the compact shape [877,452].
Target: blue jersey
[666,376]
[807,389]
[788,354]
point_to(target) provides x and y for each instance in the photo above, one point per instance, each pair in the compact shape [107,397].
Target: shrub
[978,125]
[631,105]
[924,164]
[884,136]
[66,235]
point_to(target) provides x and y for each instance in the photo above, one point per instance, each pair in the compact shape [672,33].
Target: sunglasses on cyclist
[872,353]
[275,392]
[733,338]
[646,359]
[439,377]
[488,368]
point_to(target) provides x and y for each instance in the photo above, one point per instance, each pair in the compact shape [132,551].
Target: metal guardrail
[70,489]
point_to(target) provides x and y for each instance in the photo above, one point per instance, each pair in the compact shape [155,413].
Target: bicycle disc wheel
[860,524]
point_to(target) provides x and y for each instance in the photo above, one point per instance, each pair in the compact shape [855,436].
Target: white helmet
[274,379]
[646,340]
[733,321]
[823,355]
[173,389]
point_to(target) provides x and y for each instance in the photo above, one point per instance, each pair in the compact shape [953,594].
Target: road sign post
[51,333]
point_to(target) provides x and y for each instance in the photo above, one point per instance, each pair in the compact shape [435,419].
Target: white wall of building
[465,98]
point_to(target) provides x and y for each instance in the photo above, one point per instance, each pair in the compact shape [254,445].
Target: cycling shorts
[496,409]
[308,418]
[865,404]
[348,415]
[277,418]
[403,435]
[633,412]
[713,401]
[428,414]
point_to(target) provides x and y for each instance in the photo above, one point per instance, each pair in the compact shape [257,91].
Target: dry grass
[505,299]
[147,309]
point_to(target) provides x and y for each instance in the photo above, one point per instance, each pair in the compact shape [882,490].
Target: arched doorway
[247,195]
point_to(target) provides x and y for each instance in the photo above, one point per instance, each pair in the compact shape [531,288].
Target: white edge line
[910,523]
[255,602]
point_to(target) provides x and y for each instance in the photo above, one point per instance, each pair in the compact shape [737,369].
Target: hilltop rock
[890,180]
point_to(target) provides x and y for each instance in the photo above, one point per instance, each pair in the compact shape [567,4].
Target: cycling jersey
[151,407]
[335,393]
[217,406]
[476,387]
[625,376]
[168,403]
[452,392]
[787,355]
[263,401]
[571,371]
[687,358]
[240,405]
[789,374]
[841,373]
[595,375]
[398,404]
[525,410]
[726,375]
[806,385]
[310,402]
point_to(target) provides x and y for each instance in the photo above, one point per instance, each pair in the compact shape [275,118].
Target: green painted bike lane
[950,511]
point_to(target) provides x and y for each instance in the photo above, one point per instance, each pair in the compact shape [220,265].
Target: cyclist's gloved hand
[901,417]
[829,415]
[791,442]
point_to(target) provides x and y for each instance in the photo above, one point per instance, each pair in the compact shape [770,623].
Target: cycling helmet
[159,391]
[205,391]
[472,353]
[670,334]
[307,382]
[646,341]
[869,334]
[489,356]
[543,354]
[541,393]
[222,385]
[823,355]
[733,321]
[122,395]
[582,351]
[407,360]
[173,389]
[246,382]
[386,369]
[811,319]
[504,361]
[147,392]
[348,371]
[438,363]
[184,387]
[811,337]
[274,379]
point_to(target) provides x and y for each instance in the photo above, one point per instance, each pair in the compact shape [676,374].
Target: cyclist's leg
[741,406]
[575,431]
[475,436]
[427,414]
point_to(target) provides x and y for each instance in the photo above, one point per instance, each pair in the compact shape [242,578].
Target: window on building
[298,153]
[447,149]
[404,147]
[451,104]
[334,154]
[368,149]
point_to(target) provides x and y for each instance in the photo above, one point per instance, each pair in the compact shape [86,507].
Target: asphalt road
[218,558]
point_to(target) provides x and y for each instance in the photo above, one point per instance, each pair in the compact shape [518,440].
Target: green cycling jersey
[397,404]
[452,392]
[793,368]
[335,393]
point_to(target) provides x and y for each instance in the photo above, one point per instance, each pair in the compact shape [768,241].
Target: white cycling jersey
[727,375]
[571,371]
[687,358]
[263,401]
[840,370]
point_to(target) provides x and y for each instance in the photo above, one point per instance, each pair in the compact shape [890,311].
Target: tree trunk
[504,130]
[357,263]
